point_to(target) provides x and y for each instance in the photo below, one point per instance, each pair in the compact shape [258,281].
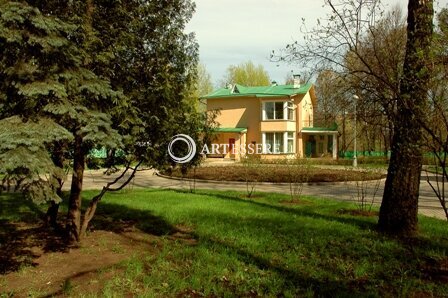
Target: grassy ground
[277,173]
[220,244]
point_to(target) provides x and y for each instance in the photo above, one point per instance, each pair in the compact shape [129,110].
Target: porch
[227,142]
[319,142]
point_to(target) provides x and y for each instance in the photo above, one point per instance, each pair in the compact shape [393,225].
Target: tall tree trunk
[344,142]
[398,212]
[386,147]
[91,209]
[74,212]
[74,203]
[110,162]
[388,136]
[52,211]
[52,215]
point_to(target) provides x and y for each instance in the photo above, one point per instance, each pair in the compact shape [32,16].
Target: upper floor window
[278,110]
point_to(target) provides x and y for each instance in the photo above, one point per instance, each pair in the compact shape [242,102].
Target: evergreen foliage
[25,160]
[83,74]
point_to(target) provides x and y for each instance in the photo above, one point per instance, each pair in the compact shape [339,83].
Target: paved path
[351,191]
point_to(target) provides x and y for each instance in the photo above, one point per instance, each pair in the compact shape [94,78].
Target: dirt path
[56,270]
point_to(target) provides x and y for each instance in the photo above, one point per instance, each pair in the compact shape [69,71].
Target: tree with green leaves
[204,83]
[352,44]
[203,86]
[435,125]
[97,73]
[247,74]
[46,79]
[333,104]
[399,208]
[381,51]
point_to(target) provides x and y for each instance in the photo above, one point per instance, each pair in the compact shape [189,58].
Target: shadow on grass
[15,206]
[296,280]
[66,288]
[361,223]
[332,274]
[23,236]
[22,233]
[119,218]
[414,254]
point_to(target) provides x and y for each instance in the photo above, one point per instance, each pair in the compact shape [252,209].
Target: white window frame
[285,142]
[287,105]
[286,138]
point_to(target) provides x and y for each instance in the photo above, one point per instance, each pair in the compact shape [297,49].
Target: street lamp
[355,160]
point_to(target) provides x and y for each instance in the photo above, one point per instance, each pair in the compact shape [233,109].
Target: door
[310,149]
[232,148]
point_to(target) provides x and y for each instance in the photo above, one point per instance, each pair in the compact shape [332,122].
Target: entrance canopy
[232,137]
[230,129]
[319,141]
[319,130]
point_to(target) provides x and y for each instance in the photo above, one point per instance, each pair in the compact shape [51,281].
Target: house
[276,120]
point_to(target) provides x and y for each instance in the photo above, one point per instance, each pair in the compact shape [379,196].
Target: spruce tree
[45,77]
[103,73]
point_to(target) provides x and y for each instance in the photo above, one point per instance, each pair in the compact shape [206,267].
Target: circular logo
[191,148]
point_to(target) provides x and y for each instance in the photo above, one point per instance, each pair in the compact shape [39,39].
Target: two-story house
[279,117]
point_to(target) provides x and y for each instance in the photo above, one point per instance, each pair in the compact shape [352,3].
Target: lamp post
[355,159]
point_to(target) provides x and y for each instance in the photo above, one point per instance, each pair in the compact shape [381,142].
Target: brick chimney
[296,80]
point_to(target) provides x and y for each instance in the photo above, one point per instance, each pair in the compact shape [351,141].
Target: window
[278,142]
[268,110]
[278,110]
[268,142]
[290,142]
[290,108]
[273,142]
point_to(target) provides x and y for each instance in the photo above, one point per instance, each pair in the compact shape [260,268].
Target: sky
[230,32]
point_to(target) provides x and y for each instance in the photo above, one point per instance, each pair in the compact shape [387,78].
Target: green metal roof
[320,129]
[230,129]
[259,91]
[332,127]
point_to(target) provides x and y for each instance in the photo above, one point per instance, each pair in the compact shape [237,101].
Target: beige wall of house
[275,126]
[238,112]
[247,112]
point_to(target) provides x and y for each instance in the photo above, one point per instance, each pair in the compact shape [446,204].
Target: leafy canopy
[247,74]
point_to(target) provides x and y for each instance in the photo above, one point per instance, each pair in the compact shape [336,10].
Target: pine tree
[45,76]
[105,73]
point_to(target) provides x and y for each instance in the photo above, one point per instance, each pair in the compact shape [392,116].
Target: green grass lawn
[266,247]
